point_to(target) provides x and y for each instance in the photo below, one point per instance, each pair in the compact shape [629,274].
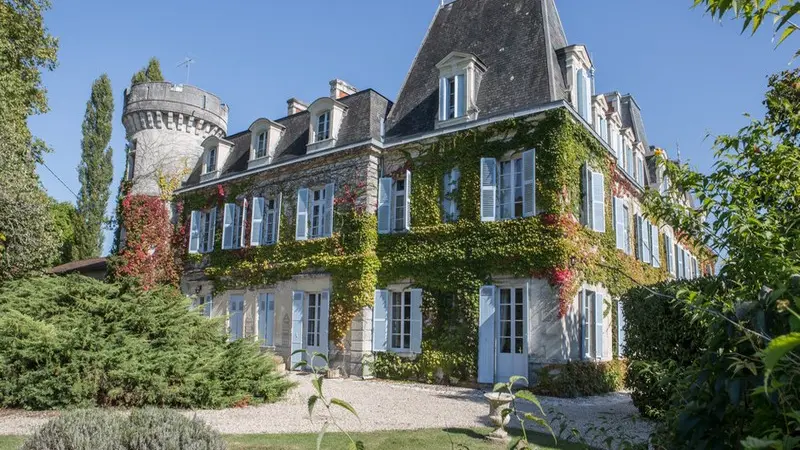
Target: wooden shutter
[227,226]
[488,189]
[486,335]
[586,332]
[256,221]
[324,320]
[620,330]
[638,232]
[384,205]
[301,218]
[380,321]
[262,319]
[213,232]
[646,244]
[598,325]
[407,196]
[443,99]
[461,96]
[446,200]
[416,321]
[328,230]
[235,316]
[194,233]
[297,326]
[277,221]
[655,249]
[598,202]
[449,204]
[529,183]
[619,222]
[586,187]
[242,210]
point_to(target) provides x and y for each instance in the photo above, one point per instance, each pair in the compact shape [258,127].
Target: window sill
[454,121]
[403,353]
[209,176]
[258,162]
[321,145]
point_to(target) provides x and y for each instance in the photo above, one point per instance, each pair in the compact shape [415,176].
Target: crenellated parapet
[175,107]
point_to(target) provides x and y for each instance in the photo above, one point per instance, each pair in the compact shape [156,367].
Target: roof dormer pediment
[460,59]
[263,123]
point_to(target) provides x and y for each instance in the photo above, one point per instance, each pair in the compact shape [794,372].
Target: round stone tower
[165,125]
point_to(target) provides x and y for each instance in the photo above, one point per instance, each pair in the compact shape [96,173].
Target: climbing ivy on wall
[449,261]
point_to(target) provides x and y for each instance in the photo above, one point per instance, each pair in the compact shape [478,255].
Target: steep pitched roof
[632,117]
[516,39]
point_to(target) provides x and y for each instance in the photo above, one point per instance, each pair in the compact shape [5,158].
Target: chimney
[296,106]
[341,89]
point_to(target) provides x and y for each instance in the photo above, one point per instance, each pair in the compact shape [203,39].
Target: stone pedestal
[497,403]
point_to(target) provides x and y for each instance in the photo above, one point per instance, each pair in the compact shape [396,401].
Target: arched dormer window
[326,116]
[460,75]
[580,76]
[264,137]
[215,155]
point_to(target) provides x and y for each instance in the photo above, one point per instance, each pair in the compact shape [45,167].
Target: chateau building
[481,225]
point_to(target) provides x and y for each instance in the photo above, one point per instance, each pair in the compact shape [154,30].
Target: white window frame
[269,222]
[316,210]
[404,321]
[590,199]
[449,202]
[205,231]
[211,160]
[515,177]
[639,176]
[453,99]
[589,322]
[261,145]
[513,301]
[317,322]
[322,127]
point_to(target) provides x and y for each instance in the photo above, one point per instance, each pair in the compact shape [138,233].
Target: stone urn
[498,401]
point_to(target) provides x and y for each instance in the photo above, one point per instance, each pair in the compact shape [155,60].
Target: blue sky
[690,76]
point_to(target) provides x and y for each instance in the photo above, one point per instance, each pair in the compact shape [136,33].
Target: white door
[315,337]
[510,332]
[236,316]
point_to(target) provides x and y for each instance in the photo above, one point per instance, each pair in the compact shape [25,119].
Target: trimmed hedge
[148,429]
[78,342]
[580,379]
[661,340]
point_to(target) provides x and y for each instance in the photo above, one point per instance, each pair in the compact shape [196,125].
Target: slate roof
[516,39]
[362,122]
[632,117]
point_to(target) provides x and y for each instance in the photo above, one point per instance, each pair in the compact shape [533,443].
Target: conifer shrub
[78,342]
[145,429]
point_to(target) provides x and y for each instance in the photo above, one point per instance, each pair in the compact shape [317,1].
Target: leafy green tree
[27,235]
[95,171]
[64,218]
[152,72]
[755,12]
[743,390]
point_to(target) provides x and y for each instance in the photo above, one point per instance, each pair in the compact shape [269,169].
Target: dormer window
[326,116]
[323,127]
[460,75]
[261,145]
[211,160]
[580,73]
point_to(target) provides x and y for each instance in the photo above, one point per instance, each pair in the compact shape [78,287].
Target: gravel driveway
[381,405]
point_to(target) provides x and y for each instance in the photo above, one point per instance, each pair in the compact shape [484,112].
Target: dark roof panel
[516,39]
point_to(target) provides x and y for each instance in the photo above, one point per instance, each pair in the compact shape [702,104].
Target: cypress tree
[95,170]
[152,72]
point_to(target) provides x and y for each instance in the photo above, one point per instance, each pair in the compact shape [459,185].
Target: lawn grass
[450,438]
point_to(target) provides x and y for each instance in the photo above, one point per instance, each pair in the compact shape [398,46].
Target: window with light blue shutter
[443,99]
[655,249]
[301,217]
[256,221]
[646,244]
[194,233]
[620,330]
[297,326]
[449,204]
[380,321]
[329,194]
[529,183]
[488,189]
[619,223]
[416,321]
[486,334]
[598,202]
[598,325]
[266,318]
[384,205]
